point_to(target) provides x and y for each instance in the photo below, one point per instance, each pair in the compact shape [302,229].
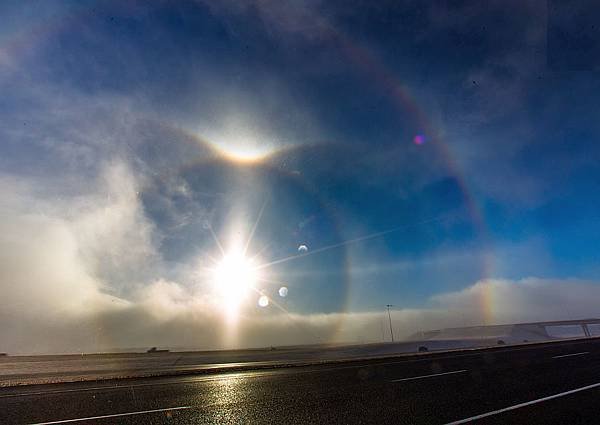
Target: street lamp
[390,319]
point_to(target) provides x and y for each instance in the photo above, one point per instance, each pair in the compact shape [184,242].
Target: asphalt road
[557,383]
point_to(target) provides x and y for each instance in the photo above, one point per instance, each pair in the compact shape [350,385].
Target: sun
[234,277]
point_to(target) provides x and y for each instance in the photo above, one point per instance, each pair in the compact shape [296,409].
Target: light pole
[390,319]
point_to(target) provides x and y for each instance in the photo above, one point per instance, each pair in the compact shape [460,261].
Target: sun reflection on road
[230,394]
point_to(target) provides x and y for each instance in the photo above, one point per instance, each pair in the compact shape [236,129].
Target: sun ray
[251,236]
[216,240]
[288,315]
[274,282]
[211,258]
[351,241]
[260,251]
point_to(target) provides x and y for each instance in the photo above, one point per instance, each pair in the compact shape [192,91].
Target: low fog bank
[78,274]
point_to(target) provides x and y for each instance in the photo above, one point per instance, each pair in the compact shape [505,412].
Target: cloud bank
[75,279]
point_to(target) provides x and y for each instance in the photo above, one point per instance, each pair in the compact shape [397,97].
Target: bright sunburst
[234,277]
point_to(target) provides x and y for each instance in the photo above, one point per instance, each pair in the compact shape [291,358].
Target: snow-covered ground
[46,369]
[61,368]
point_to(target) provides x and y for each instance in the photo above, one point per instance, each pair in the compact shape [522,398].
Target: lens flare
[419,139]
[263,301]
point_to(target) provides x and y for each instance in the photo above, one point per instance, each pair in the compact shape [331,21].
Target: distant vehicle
[156,350]
[3,354]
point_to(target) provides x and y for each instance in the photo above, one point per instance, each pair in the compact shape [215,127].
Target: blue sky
[211,112]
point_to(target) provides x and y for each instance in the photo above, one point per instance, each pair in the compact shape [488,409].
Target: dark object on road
[156,350]
[422,349]
[3,354]
[501,342]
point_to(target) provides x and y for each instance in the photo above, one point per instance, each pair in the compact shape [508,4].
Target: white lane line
[429,376]
[116,415]
[528,403]
[571,355]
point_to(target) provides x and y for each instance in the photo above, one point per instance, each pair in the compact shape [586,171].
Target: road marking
[528,403]
[429,376]
[571,355]
[116,415]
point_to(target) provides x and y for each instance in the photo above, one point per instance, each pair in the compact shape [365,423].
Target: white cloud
[529,299]
[61,261]
[59,264]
